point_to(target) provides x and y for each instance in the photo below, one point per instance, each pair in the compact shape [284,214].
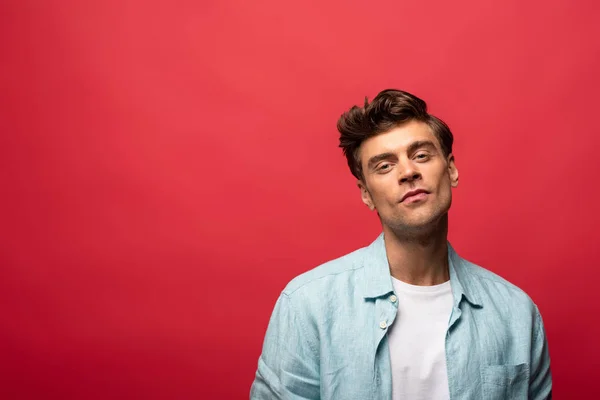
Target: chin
[418,223]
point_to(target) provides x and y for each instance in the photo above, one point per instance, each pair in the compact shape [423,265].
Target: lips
[416,194]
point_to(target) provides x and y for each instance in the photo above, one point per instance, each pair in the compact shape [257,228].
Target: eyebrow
[414,146]
[379,157]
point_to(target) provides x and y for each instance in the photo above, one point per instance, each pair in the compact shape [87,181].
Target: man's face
[406,177]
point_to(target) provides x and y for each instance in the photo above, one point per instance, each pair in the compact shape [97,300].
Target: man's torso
[487,341]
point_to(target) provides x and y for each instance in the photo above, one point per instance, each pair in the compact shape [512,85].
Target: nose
[409,173]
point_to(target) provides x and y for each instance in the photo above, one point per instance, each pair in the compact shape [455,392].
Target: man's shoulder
[323,275]
[494,287]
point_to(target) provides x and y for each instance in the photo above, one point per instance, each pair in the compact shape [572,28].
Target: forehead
[397,140]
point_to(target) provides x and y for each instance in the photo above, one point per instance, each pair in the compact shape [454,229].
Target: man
[406,317]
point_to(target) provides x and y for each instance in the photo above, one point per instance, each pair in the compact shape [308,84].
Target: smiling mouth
[420,196]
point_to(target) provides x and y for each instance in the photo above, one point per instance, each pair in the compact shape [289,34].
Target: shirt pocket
[505,381]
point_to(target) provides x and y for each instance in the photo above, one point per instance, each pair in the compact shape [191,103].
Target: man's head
[396,149]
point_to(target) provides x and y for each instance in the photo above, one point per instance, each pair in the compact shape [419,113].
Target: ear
[452,171]
[365,195]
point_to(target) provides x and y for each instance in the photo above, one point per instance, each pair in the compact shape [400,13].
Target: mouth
[414,196]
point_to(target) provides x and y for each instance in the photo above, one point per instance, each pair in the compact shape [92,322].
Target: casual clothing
[416,341]
[328,335]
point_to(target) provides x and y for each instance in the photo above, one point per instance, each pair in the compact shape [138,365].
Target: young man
[406,317]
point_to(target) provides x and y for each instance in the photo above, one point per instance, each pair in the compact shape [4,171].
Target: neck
[419,258]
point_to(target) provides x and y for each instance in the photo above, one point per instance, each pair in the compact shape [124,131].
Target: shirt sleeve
[288,367]
[540,386]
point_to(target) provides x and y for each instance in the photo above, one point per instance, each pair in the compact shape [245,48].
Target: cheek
[379,198]
[444,191]
[383,202]
[383,191]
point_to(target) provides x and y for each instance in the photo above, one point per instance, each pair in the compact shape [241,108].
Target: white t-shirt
[417,342]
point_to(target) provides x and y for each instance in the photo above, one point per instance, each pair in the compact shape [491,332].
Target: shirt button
[393,298]
[383,325]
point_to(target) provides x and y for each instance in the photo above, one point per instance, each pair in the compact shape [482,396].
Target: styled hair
[389,109]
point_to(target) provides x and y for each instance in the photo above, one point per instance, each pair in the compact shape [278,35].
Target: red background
[167,167]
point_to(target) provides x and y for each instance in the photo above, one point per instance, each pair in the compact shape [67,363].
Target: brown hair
[389,109]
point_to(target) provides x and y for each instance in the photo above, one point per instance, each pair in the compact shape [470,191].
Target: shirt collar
[378,282]
[461,279]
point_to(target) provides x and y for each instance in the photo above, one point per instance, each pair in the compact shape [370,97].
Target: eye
[422,156]
[384,167]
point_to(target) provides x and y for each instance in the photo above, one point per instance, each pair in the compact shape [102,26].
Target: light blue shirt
[327,337]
